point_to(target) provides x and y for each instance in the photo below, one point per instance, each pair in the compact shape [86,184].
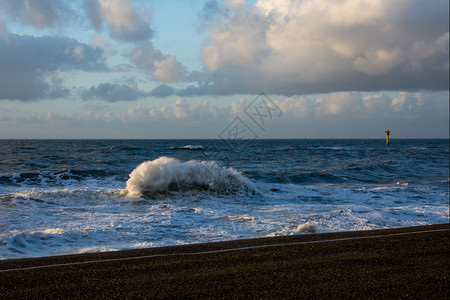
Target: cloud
[182,115]
[40,14]
[3,28]
[334,115]
[113,92]
[292,47]
[210,10]
[354,105]
[238,40]
[162,91]
[122,20]
[356,111]
[30,66]
[160,66]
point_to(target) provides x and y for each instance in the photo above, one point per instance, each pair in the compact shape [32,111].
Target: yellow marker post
[387,137]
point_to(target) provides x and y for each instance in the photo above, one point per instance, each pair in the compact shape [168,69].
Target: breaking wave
[167,174]
[48,178]
[187,147]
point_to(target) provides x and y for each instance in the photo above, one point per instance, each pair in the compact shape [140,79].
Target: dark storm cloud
[92,9]
[162,91]
[29,65]
[113,92]
[121,19]
[210,10]
[3,28]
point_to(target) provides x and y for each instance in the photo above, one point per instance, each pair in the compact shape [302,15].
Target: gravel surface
[411,263]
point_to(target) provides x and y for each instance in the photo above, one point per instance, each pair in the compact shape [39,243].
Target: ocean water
[76,196]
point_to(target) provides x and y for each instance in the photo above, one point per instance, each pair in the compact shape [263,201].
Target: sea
[62,197]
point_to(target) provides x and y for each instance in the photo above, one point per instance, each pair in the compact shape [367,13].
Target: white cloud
[407,102]
[335,115]
[184,110]
[354,105]
[160,66]
[341,103]
[350,106]
[298,47]
[379,61]
[341,13]
[241,37]
[168,69]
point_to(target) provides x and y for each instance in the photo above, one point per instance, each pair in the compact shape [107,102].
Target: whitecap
[49,231]
[96,249]
[167,174]
[187,147]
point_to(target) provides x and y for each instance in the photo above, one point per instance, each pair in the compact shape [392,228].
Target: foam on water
[42,223]
[188,147]
[50,231]
[295,229]
[167,174]
[66,197]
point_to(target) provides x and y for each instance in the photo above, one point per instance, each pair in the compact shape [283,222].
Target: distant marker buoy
[387,137]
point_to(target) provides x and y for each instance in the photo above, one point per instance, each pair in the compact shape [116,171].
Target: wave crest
[167,174]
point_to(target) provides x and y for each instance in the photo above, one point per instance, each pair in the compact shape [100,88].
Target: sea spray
[64,197]
[167,174]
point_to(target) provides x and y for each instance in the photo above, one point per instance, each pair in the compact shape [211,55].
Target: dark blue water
[70,196]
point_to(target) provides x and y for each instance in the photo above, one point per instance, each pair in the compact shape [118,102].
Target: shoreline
[410,262]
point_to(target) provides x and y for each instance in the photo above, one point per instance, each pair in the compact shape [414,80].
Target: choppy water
[74,196]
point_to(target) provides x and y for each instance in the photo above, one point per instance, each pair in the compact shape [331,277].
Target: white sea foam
[49,231]
[291,230]
[79,206]
[169,174]
[95,249]
[307,228]
[238,218]
[188,147]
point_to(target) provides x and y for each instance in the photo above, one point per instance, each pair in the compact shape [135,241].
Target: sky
[105,69]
